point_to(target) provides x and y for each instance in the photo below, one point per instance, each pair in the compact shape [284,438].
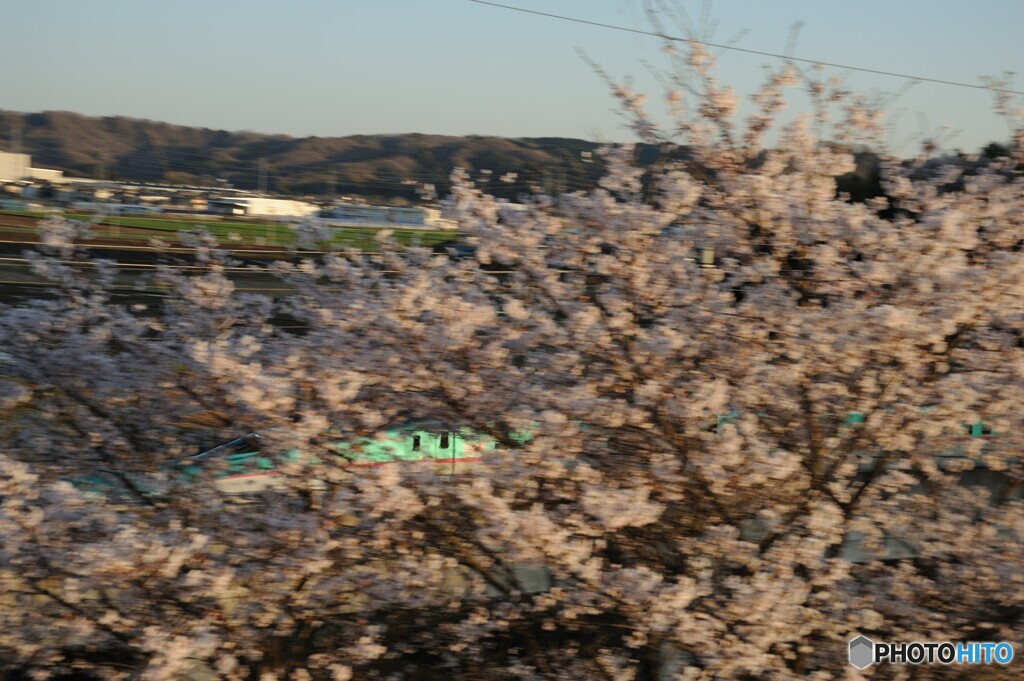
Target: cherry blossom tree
[743,395]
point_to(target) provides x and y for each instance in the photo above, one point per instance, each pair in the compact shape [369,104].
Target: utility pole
[263,177]
[332,181]
[16,134]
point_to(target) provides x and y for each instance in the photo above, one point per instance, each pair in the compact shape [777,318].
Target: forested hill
[386,167]
[370,165]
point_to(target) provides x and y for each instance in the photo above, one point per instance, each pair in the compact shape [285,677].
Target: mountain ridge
[386,166]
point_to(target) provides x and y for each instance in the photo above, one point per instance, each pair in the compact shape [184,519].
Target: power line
[733,48]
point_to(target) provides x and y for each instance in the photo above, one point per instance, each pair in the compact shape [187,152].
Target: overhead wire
[733,48]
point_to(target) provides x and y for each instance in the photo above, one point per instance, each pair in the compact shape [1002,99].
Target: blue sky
[342,67]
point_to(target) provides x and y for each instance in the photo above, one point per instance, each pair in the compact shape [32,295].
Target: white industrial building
[260,206]
[14,167]
[17,167]
[46,175]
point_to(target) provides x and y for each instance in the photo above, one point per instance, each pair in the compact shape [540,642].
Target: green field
[238,233]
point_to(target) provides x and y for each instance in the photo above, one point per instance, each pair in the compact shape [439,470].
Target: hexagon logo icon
[862,652]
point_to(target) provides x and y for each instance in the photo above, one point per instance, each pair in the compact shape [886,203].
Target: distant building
[14,167]
[384,216]
[260,206]
[46,175]
[75,192]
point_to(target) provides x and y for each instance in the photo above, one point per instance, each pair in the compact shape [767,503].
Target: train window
[978,430]
[444,441]
[415,443]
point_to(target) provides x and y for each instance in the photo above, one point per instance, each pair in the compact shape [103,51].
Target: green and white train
[245,466]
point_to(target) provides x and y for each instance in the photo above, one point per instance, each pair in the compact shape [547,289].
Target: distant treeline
[384,167]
